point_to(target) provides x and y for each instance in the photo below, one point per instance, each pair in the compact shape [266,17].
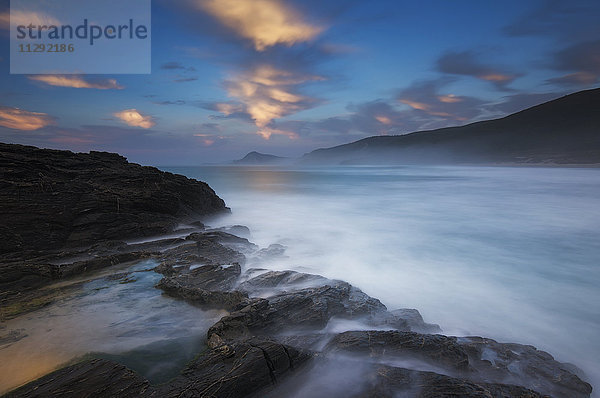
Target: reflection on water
[122,316]
[510,253]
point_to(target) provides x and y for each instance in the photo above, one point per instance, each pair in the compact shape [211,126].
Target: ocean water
[504,252]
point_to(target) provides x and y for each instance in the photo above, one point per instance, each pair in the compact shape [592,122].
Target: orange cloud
[496,77]
[264,22]
[209,139]
[76,82]
[430,109]
[449,99]
[266,93]
[229,109]
[132,117]
[18,119]
[383,119]
[267,132]
[415,105]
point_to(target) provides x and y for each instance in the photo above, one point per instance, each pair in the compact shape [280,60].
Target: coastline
[276,331]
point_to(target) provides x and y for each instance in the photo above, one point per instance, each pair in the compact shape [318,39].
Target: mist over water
[508,253]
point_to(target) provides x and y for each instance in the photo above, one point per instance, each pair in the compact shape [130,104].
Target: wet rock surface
[92,378]
[78,199]
[277,340]
[525,365]
[432,348]
[238,370]
[65,213]
[342,377]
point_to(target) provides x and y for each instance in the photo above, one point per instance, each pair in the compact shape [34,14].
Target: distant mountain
[260,158]
[562,131]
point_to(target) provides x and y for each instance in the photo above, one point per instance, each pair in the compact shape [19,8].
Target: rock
[272,281]
[92,378]
[210,277]
[78,199]
[413,317]
[11,336]
[435,349]
[201,297]
[273,252]
[237,230]
[386,381]
[240,324]
[84,206]
[234,242]
[58,204]
[198,224]
[523,365]
[237,370]
[205,247]
[207,285]
[307,341]
[78,267]
[403,319]
[303,309]
[343,377]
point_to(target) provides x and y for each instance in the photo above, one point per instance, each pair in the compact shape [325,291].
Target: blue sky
[286,77]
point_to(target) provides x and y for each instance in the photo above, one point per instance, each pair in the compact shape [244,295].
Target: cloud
[76,82]
[266,133]
[133,117]
[210,134]
[424,105]
[175,66]
[581,57]
[569,21]
[208,139]
[425,98]
[19,119]
[228,108]
[265,23]
[185,79]
[574,27]
[176,102]
[264,94]
[575,79]
[26,18]
[518,102]
[582,60]
[376,117]
[466,63]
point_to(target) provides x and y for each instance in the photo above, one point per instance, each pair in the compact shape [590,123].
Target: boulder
[91,378]
[436,349]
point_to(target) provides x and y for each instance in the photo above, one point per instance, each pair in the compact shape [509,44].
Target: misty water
[114,314]
[503,252]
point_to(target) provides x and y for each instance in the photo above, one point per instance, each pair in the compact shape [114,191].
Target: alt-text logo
[80,36]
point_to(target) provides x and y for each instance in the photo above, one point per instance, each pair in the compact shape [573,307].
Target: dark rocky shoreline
[274,342]
[64,213]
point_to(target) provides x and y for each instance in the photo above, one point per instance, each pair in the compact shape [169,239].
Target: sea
[510,253]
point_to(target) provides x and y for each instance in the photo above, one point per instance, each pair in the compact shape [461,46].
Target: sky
[286,77]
